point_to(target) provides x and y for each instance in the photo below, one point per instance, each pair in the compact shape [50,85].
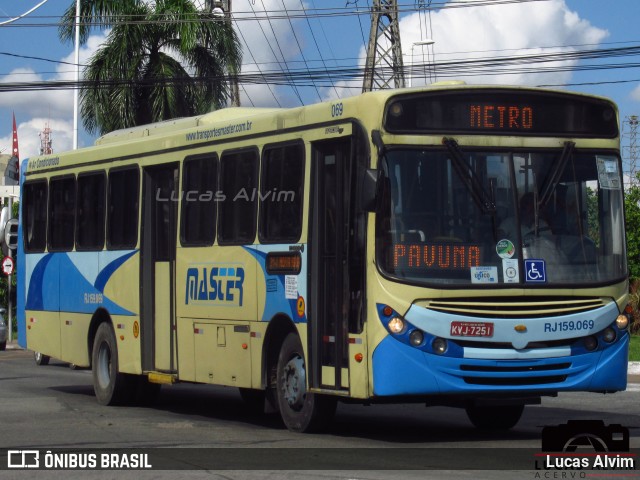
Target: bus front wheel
[495,418]
[301,410]
[110,386]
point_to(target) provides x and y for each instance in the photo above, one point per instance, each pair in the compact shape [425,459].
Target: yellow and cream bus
[452,245]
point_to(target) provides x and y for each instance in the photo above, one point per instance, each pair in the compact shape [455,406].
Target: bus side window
[238,185]
[34,211]
[62,210]
[198,223]
[281,193]
[122,221]
[90,211]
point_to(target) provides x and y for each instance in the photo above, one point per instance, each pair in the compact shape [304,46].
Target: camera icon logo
[588,435]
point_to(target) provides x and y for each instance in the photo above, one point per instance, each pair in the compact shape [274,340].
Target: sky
[332,43]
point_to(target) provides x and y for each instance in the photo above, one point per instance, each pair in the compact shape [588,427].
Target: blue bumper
[399,369]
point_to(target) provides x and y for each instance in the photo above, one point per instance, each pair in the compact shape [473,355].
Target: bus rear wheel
[495,417]
[41,359]
[110,386]
[301,410]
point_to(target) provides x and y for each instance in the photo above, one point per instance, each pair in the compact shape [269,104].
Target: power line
[300,48]
[14,19]
[257,66]
[319,53]
[276,14]
[320,76]
[274,53]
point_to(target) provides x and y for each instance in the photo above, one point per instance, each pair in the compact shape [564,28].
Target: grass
[634,348]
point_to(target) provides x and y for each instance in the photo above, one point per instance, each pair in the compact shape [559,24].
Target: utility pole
[630,129]
[384,68]
[222,8]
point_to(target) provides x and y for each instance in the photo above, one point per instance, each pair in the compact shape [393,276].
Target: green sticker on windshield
[505,248]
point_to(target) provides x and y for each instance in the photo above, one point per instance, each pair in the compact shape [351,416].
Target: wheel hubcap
[103,368]
[294,388]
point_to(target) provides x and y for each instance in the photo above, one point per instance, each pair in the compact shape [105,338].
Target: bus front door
[328,254]
[158,250]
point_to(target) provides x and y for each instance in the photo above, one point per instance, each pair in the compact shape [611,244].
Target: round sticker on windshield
[505,248]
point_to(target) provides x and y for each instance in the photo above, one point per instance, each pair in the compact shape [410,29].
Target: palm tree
[159,61]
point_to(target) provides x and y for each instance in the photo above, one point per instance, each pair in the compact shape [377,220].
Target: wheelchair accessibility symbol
[535,271]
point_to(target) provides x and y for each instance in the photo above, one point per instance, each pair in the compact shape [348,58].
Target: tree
[160,61]
[632,217]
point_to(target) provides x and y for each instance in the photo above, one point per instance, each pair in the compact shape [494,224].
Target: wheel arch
[279,327]
[100,316]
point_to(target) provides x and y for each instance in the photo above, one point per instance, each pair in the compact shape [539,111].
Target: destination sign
[501,112]
[435,256]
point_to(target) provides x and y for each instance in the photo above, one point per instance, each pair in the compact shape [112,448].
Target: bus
[453,245]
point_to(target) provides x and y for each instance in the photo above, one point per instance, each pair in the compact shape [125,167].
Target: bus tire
[110,386]
[300,410]
[495,418]
[41,359]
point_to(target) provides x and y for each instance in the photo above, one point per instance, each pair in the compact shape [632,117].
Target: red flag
[15,138]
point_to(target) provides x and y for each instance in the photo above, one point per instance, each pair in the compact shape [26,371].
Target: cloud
[486,32]
[29,135]
[494,31]
[36,109]
[635,94]
[269,46]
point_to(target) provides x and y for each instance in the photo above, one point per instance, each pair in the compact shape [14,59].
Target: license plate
[471,329]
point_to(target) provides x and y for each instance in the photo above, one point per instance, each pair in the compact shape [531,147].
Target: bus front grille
[515,381]
[515,374]
[515,307]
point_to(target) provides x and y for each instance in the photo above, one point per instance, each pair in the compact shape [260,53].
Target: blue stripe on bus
[55,276]
[104,275]
[36,291]
[275,300]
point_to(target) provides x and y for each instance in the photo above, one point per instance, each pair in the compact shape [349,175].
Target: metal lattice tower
[46,143]
[630,150]
[384,68]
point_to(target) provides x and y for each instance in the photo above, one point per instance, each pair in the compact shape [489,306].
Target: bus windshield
[460,217]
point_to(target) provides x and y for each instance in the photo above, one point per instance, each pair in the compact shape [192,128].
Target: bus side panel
[215,288]
[78,301]
[73,338]
[119,280]
[42,306]
[283,295]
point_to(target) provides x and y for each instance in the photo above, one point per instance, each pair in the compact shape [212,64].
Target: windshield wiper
[469,177]
[554,177]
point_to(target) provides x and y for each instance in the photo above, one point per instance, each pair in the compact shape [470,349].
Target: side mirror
[369,182]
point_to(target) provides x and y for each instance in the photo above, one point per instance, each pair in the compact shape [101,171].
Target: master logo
[221,284]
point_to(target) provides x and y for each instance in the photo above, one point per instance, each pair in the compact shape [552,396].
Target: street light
[76,92]
[422,43]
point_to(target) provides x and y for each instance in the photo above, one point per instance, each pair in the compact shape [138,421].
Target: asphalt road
[54,407]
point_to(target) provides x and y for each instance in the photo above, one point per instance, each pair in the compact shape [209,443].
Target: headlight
[439,345]
[622,321]
[609,335]
[416,338]
[396,325]
[591,343]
